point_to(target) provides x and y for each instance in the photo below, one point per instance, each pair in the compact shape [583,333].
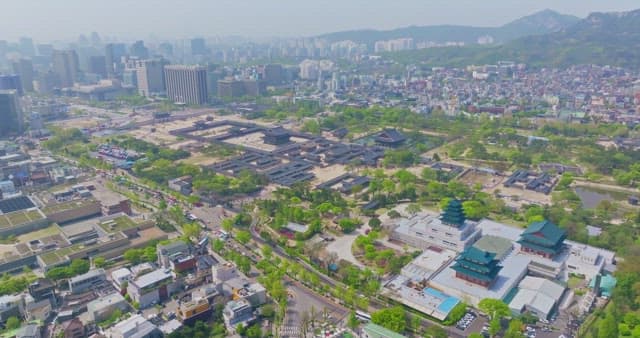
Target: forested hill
[542,22]
[601,38]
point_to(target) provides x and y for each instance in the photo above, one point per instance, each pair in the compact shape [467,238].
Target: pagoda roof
[453,214]
[474,254]
[544,234]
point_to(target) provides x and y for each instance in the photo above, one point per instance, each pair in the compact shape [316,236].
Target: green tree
[254,331]
[392,318]
[191,230]
[99,262]
[12,323]
[217,245]
[494,326]
[494,308]
[435,331]
[475,335]
[514,330]
[352,321]
[608,327]
[243,236]
[79,266]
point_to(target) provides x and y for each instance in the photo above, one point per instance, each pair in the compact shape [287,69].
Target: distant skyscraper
[186,84]
[273,74]
[26,47]
[46,82]
[139,50]
[150,75]
[65,65]
[98,65]
[11,82]
[113,58]
[10,113]
[166,49]
[198,46]
[24,68]
[45,49]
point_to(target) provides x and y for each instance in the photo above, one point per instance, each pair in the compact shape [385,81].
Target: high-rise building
[45,49]
[10,113]
[139,50]
[97,65]
[198,46]
[65,65]
[150,76]
[273,74]
[166,49]
[186,84]
[113,58]
[26,47]
[11,82]
[24,68]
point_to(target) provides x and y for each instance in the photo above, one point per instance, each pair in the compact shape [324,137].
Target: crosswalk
[290,332]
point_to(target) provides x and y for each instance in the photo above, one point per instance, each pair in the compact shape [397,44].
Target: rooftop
[497,245]
[543,233]
[377,331]
[19,217]
[119,223]
[152,277]
[74,204]
[16,204]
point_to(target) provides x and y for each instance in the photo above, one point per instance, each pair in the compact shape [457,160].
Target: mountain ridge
[601,38]
[541,22]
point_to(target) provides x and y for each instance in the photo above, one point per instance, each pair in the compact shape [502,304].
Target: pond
[591,197]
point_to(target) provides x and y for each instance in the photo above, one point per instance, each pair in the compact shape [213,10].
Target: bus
[363,316]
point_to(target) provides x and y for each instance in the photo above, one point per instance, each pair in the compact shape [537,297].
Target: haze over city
[319,169]
[66,19]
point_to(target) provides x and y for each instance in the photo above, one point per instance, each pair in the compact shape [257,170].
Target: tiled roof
[543,233]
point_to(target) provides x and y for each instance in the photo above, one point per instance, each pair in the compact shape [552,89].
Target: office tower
[95,39]
[150,76]
[273,74]
[166,50]
[198,47]
[186,84]
[24,68]
[98,65]
[26,47]
[139,50]
[65,66]
[10,113]
[45,49]
[11,82]
[113,58]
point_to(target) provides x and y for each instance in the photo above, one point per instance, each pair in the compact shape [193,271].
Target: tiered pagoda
[453,214]
[543,239]
[477,266]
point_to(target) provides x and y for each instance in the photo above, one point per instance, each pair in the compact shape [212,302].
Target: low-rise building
[11,306]
[451,230]
[135,327]
[237,312]
[152,288]
[29,331]
[87,281]
[38,310]
[182,185]
[121,277]
[101,308]
[196,308]
[538,296]
[371,330]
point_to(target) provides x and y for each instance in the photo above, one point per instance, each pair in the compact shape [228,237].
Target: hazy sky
[64,19]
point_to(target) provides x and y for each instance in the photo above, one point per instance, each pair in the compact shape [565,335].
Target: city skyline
[257,19]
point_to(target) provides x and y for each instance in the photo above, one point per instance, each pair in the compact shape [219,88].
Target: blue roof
[447,302]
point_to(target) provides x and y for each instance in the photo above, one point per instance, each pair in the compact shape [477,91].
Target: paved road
[302,300]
